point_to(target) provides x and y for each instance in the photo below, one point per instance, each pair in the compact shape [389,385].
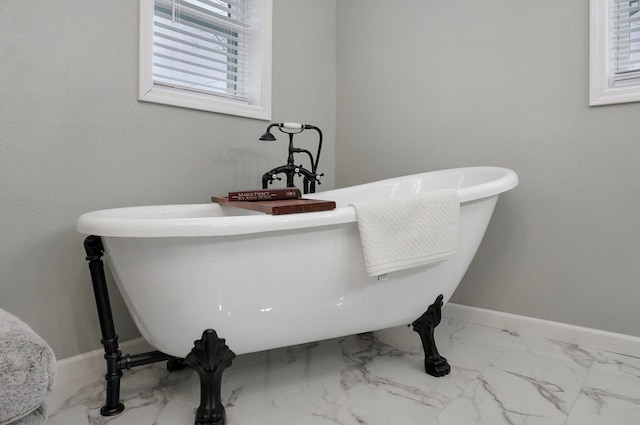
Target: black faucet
[309,177]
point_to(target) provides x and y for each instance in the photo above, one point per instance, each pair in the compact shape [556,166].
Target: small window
[211,55]
[615,51]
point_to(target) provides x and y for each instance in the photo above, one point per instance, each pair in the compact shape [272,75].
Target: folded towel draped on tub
[411,231]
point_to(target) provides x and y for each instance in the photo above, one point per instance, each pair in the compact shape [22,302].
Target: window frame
[258,108]
[601,91]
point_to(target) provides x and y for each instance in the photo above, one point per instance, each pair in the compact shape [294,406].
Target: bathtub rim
[112,223]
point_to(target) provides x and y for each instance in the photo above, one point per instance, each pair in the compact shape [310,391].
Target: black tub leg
[210,356]
[434,363]
[116,362]
[94,250]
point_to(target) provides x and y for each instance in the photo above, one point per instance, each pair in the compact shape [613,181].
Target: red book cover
[265,195]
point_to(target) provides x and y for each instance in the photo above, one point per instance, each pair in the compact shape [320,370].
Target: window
[615,51]
[211,55]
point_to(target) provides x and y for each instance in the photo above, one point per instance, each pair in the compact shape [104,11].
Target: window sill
[607,96]
[202,102]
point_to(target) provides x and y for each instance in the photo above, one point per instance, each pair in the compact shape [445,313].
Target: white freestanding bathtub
[265,281]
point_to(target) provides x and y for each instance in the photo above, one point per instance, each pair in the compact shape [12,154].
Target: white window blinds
[625,43]
[210,55]
[203,46]
[614,51]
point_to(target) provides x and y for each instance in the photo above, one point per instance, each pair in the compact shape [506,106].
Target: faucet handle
[274,177]
[318,178]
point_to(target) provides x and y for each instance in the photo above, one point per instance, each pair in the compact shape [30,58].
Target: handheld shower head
[267,136]
[285,127]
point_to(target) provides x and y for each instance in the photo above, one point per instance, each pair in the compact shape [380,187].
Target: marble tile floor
[498,377]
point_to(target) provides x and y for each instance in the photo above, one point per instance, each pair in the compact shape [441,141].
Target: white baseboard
[93,361]
[607,341]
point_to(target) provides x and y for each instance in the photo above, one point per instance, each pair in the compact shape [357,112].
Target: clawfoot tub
[260,281]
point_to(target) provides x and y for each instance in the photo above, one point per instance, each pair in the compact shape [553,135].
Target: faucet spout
[290,171]
[270,176]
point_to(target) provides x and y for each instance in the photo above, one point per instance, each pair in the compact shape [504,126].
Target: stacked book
[274,201]
[265,195]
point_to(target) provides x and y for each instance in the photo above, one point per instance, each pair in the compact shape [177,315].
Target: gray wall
[438,84]
[73,138]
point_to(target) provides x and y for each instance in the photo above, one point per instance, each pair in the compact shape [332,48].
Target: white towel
[400,233]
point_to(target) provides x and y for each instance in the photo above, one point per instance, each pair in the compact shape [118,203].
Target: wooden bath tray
[285,206]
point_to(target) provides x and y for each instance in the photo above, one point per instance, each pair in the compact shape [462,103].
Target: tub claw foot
[210,357]
[434,363]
